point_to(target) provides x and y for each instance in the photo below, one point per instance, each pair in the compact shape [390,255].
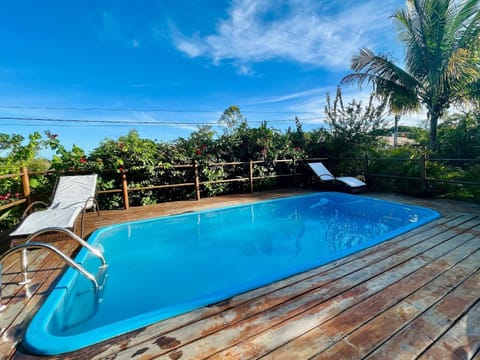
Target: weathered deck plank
[284,294]
[330,325]
[414,296]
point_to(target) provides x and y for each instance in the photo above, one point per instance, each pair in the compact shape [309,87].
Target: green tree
[441,39]
[353,127]
[459,136]
[231,118]
[130,154]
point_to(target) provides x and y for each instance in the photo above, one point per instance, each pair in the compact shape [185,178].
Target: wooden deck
[416,296]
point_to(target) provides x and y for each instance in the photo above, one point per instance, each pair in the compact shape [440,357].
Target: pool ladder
[98,281]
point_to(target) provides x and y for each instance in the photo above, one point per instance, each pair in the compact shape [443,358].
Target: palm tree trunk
[433,131]
[395,131]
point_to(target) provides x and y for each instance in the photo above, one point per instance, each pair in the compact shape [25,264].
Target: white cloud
[306,32]
[315,92]
[143,116]
[114,30]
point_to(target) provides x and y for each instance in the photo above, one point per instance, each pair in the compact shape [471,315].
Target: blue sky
[178,63]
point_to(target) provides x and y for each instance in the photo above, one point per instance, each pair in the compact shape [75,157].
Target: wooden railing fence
[250,177]
[196,182]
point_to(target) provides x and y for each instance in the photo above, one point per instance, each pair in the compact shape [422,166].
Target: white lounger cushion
[351,181]
[325,175]
[74,191]
[39,220]
[72,195]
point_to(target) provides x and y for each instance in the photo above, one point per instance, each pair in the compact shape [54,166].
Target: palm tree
[442,42]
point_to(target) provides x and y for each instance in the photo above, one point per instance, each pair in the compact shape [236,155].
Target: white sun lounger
[73,195]
[354,184]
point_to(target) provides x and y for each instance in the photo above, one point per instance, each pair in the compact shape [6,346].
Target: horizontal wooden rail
[387,176]
[109,191]
[9,176]
[230,163]
[458,182]
[467,160]
[12,204]
[154,187]
[224,181]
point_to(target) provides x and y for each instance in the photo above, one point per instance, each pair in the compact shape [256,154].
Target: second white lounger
[354,184]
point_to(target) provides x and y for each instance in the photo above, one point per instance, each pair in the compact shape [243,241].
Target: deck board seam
[290,284]
[464,312]
[374,293]
[383,258]
[420,314]
[323,285]
[457,285]
[306,309]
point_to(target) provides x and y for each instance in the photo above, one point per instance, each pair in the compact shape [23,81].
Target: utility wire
[139,122]
[144,110]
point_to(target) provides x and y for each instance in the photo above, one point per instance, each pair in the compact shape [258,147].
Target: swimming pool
[167,266]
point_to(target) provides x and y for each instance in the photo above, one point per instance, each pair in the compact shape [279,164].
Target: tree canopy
[442,52]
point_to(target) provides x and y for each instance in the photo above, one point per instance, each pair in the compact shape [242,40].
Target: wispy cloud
[306,32]
[113,30]
[315,92]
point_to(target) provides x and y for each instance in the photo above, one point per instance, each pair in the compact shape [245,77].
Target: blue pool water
[167,266]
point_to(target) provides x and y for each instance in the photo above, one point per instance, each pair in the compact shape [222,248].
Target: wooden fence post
[125,191]
[197,180]
[250,175]
[424,173]
[26,184]
[294,172]
[366,168]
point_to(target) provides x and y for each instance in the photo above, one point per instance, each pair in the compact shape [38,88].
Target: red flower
[198,152]
[121,169]
[83,160]
[50,135]
[17,195]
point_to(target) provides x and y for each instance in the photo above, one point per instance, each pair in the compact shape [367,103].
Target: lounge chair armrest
[94,201]
[29,207]
[95,208]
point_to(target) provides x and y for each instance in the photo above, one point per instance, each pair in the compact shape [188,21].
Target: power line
[75,108]
[139,122]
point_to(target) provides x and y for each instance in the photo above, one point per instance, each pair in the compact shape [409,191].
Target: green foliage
[352,132]
[353,128]
[459,136]
[231,118]
[441,40]
[130,155]
[16,152]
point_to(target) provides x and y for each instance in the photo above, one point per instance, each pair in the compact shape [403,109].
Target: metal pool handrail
[38,245]
[71,234]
